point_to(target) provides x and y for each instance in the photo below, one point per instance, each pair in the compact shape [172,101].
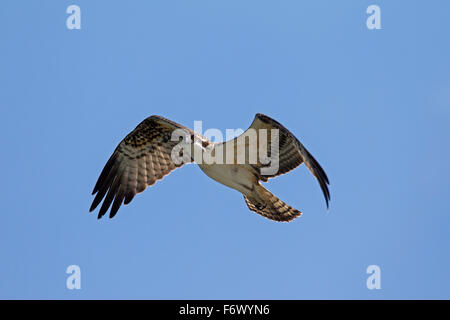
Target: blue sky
[373,107]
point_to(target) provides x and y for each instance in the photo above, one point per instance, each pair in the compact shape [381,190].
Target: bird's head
[200,142]
[199,146]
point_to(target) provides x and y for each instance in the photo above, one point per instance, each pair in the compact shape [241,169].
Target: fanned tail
[266,204]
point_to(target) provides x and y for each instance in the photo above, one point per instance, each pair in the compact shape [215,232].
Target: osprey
[150,152]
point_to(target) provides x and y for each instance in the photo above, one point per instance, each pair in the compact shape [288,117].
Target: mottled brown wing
[291,152]
[142,158]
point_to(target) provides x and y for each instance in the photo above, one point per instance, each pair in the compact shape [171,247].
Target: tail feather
[269,206]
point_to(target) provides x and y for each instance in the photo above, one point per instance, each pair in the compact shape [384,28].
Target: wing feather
[140,159]
[141,176]
[291,152]
[151,175]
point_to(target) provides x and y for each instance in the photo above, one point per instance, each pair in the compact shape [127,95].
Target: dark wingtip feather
[323,181]
[107,184]
[98,198]
[110,196]
[321,176]
[117,201]
[105,172]
[128,197]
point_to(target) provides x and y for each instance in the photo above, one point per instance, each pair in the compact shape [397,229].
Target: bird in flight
[158,146]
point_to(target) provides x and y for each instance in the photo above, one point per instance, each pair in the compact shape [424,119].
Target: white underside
[237,177]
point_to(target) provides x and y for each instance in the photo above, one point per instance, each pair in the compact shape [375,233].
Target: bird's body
[237,176]
[157,146]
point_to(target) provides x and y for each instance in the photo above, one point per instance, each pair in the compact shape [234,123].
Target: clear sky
[372,106]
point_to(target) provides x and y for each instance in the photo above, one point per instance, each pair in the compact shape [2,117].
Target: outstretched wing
[291,152]
[142,158]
